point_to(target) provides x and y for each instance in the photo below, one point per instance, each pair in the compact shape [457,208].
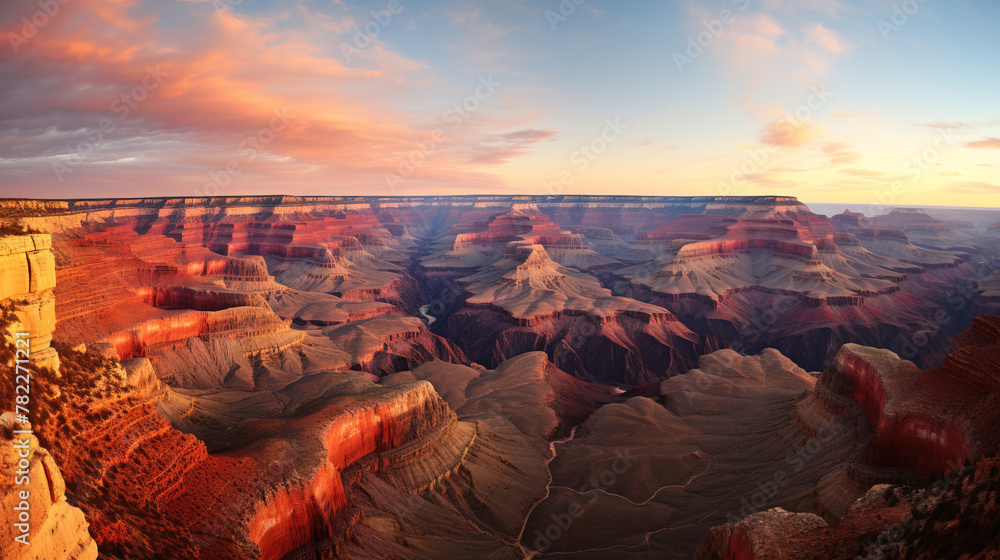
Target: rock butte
[450,376]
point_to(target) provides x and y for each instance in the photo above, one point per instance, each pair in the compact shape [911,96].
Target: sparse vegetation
[65,409]
[13,226]
[962,525]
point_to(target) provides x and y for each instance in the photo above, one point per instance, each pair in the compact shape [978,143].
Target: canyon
[502,376]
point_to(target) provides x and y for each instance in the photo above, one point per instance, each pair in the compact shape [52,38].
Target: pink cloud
[224,76]
[840,152]
[825,38]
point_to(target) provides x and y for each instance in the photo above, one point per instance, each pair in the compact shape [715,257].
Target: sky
[875,102]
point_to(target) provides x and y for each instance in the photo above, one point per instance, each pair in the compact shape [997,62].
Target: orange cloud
[225,75]
[974,187]
[790,133]
[868,173]
[993,143]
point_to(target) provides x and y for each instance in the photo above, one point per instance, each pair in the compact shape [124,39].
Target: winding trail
[528,555]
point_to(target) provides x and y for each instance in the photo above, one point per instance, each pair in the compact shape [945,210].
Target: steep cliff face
[751,538]
[34,493]
[27,282]
[907,431]
[356,459]
[53,529]
[293,518]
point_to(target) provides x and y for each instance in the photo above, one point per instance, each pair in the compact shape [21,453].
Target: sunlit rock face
[497,377]
[27,283]
[56,530]
[903,436]
[291,519]
[33,485]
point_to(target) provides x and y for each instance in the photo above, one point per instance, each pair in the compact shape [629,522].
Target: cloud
[993,143]
[840,152]
[772,50]
[961,125]
[790,133]
[225,74]
[974,187]
[768,180]
[501,148]
[825,38]
[863,172]
[948,125]
[844,116]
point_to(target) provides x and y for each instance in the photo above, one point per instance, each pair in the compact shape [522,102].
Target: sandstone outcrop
[27,282]
[56,530]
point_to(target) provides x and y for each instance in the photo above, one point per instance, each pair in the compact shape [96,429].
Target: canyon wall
[407,377]
[27,283]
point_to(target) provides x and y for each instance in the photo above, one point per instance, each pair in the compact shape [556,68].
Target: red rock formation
[291,519]
[244,421]
[527,302]
[797,285]
[909,432]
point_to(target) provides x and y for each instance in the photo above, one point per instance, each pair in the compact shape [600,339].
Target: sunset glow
[885,102]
